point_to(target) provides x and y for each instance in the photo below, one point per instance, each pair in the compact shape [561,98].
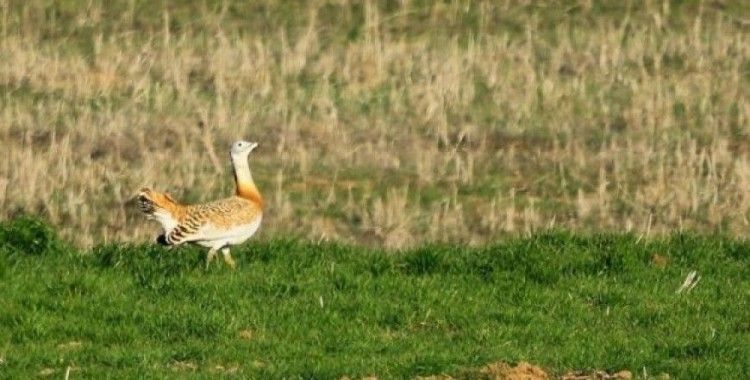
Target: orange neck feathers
[244,181]
[249,191]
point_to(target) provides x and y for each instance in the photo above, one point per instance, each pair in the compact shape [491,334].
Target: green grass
[558,300]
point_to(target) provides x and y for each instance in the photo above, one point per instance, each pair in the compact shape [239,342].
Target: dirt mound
[497,371]
[522,371]
[598,375]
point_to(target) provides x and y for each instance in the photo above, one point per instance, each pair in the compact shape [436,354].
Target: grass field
[448,184]
[321,311]
[386,123]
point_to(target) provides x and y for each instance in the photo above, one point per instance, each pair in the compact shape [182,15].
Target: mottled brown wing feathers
[178,234]
[223,213]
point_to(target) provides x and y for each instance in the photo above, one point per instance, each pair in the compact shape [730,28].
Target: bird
[216,225]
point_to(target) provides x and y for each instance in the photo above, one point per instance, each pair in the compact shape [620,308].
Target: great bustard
[216,225]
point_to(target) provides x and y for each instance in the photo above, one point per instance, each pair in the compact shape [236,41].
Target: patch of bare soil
[498,371]
[598,375]
[521,371]
[183,366]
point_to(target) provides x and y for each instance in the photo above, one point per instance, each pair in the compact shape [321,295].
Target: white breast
[168,223]
[216,237]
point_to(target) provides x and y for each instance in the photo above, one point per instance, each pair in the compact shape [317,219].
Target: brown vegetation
[381,125]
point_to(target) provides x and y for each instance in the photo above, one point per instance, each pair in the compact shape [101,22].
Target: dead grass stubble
[386,139]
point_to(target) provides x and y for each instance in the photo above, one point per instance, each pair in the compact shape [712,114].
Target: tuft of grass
[295,309]
[27,235]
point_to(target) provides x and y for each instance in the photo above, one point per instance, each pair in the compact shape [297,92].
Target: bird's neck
[243,180]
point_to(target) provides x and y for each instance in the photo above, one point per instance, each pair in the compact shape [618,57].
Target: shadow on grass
[152,267]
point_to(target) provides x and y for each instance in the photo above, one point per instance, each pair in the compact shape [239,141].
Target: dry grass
[381,124]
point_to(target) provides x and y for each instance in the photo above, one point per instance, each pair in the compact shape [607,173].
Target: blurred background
[381,122]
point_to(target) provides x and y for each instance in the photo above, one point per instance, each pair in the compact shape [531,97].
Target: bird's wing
[212,221]
[188,229]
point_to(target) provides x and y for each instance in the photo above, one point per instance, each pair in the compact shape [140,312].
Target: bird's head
[241,149]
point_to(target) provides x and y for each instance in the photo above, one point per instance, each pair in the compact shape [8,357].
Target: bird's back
[225,212]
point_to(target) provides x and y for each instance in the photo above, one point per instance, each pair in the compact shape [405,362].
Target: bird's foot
[230,262]
[210,257]
[228,258]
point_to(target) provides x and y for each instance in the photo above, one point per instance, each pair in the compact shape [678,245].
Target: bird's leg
[210,257]
[228,257]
